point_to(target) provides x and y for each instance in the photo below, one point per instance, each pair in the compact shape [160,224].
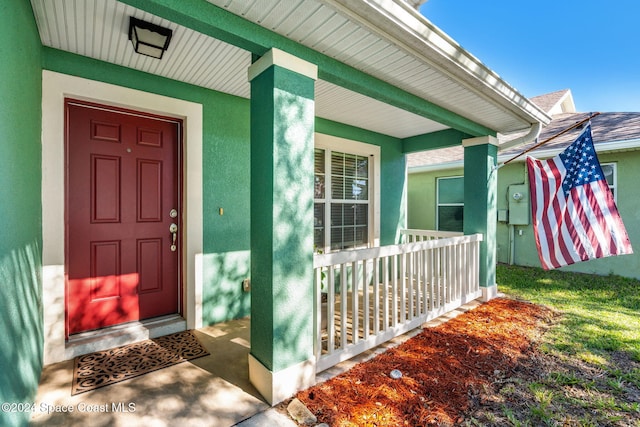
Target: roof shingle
[606,128]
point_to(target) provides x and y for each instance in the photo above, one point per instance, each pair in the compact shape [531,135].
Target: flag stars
[581,163]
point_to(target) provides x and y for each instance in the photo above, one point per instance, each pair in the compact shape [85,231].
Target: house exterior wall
[225,178]
[225,162]
[226,184]
[21,335]
[422,208]
[628,202]
[422,197]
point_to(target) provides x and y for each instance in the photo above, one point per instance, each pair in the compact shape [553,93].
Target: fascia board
[399,22]
[603,147]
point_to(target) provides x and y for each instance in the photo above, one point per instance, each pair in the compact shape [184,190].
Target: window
[610,175]
[343,187]
[450,203]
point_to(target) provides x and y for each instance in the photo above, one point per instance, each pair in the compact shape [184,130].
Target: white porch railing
[365,297]
[412,235]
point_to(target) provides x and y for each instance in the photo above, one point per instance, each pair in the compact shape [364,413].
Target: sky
[591,47]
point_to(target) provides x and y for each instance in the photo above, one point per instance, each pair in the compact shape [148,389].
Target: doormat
[102,368]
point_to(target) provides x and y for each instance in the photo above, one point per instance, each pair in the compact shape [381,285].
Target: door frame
[55,88]
[178,163]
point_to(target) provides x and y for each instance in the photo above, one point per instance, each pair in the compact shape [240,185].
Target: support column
[480,212]
[281,361]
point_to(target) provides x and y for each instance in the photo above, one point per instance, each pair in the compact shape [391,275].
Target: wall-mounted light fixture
[149,39]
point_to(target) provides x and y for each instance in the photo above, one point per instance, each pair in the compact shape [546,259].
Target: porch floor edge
[103,339]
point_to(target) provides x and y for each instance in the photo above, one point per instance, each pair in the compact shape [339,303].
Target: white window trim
[343,145]
[614,186]
[438,204]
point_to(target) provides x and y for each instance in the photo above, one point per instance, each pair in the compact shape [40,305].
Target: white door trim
[55,88]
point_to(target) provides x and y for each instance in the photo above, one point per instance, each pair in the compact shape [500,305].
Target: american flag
[574,214]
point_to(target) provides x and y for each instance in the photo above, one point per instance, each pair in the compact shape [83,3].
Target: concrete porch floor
[209,391]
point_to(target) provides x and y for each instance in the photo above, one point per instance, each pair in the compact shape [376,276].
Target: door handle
[173,229]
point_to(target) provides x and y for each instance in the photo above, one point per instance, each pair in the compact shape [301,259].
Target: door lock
[173,229]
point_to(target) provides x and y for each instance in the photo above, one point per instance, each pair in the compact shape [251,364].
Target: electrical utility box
[519,204]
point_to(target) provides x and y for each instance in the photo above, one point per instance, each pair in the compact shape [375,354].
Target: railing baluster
[385,293]
[438,266]
[365,301]
[354,303]
[403,287]
[409,280]
[344,293]
[466,287]
[394,291]
[376,296]
[317,332]
[330,313]
[431,281]
[423,284]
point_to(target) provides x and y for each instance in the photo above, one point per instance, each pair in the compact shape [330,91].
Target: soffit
[368,36]
[99,28]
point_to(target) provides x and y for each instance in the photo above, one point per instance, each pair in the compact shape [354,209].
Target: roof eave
[603,147]
[397,21]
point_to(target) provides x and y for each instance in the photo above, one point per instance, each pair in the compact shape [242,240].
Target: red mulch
[444,370]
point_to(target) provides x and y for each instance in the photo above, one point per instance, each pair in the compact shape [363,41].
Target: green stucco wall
[21,332]
[422,207]
[226,184]
[225,166]
[628,201]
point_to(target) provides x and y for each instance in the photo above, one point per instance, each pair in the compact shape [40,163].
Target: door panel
[122,183]
[105,189]
[149,190]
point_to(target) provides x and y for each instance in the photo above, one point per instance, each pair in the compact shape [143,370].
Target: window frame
[613,187]
[438,204]
[331,143]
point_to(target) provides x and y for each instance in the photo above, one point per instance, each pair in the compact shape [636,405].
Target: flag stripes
[574,214]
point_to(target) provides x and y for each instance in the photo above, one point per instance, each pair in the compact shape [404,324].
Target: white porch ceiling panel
[99,29]
[330,28]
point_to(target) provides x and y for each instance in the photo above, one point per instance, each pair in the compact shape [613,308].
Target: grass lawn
[592,350]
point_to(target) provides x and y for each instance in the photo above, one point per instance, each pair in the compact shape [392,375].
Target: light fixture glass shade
[149,39]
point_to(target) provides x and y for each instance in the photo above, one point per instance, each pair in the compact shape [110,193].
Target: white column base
[489,293]
[278,386]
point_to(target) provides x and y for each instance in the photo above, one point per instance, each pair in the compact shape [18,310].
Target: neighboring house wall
[422,191]
[21,334]
[226,173]
[422,209]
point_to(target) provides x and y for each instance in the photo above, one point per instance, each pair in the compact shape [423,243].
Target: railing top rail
[431,233]
[335,258]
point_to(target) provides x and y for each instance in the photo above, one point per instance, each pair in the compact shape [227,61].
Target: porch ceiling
[335,28]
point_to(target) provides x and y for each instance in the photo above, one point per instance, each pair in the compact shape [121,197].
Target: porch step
[115,336]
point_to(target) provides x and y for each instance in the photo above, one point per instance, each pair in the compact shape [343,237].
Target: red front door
[121,202]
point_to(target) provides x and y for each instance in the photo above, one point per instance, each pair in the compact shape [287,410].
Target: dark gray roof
[547,101]
[605,128]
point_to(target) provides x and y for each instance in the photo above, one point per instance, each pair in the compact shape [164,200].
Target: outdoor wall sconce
[149,39]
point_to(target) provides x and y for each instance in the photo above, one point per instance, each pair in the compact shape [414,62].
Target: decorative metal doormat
[102,368]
